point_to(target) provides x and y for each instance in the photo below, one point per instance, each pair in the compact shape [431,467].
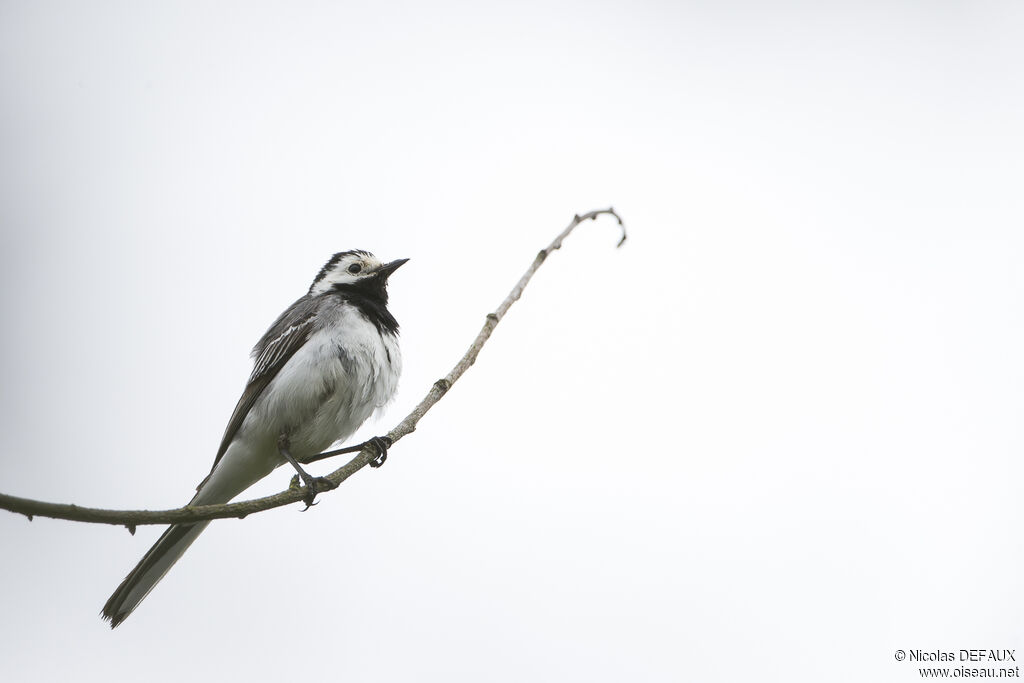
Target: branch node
[493,317]
[443,385]
[130,528]
[542,255]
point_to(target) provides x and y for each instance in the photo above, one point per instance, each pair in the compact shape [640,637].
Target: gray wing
[286,336]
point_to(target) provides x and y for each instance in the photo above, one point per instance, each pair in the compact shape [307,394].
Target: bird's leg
[313,484]
[331,454]
[381,443]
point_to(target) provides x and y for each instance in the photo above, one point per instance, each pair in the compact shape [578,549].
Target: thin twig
[132,518]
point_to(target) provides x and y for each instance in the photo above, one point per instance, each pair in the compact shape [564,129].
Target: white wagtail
[324,366]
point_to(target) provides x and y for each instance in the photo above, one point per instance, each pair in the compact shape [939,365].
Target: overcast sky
[776,436]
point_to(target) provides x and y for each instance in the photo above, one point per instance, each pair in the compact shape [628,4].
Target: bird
[322,368]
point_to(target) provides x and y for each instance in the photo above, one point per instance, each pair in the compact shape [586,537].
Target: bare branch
[294,493]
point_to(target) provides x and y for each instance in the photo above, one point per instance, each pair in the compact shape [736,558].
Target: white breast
[340,376]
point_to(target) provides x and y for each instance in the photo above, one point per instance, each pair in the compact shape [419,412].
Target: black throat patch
[370,296]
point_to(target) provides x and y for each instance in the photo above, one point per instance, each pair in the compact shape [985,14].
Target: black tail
[150,569]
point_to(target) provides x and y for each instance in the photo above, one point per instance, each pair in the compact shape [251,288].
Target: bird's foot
[314,486]
[382,444]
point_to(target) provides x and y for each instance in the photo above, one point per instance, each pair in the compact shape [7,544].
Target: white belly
[339,377]
[329,387]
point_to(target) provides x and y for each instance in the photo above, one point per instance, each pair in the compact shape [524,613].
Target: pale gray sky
[775,437]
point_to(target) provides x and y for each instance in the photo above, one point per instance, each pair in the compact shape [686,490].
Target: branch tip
[611,212]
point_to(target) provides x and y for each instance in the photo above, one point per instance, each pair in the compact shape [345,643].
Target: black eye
[355,268]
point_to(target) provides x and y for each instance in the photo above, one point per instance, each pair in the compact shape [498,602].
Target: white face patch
[346,267]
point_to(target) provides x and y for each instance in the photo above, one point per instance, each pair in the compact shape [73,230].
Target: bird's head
[355,271]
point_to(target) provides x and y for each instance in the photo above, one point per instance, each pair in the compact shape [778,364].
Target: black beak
[385,271]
